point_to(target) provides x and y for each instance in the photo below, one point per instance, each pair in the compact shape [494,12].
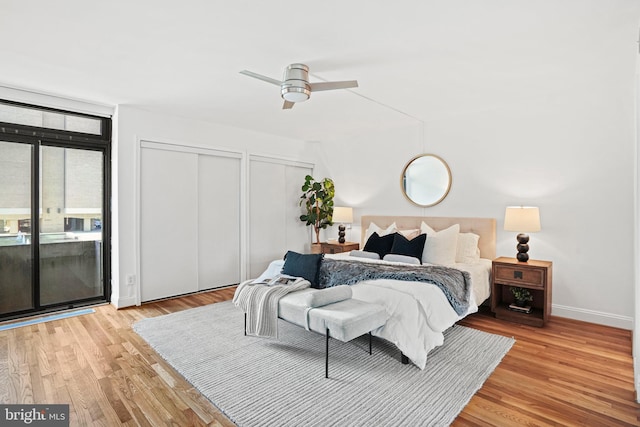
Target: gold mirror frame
[426,180]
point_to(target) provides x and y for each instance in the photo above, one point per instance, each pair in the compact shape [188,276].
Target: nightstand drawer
[531,277]
[336,248]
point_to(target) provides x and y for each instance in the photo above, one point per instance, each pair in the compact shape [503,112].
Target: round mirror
[426,180]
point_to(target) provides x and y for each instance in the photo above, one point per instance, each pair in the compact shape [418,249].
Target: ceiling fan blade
[287,105]
[261,77]
[315,87]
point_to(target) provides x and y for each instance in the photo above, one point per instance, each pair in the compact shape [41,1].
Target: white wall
[133,124]
[569,151]
[636,330]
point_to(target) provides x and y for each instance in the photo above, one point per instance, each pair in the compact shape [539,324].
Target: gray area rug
[266,382]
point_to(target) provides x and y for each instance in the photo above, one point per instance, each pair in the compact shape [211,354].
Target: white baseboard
[123,302]
[636,376]
[593,316]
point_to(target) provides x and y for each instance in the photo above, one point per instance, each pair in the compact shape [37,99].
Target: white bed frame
[483,227]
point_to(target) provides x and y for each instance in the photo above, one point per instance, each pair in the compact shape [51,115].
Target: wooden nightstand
[336,248]
[533,275]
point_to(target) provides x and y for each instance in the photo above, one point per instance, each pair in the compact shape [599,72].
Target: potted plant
[317,197]
[521,295]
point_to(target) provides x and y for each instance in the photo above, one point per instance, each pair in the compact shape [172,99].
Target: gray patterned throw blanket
[260,303]
[455,284]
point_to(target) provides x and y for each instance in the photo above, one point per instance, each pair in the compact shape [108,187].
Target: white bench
[333,313]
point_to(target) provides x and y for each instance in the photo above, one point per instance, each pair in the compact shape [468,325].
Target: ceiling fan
[295,86]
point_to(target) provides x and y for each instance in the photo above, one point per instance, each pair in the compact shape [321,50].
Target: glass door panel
[70,225]
[16,284]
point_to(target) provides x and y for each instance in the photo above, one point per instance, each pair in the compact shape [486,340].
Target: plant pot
[520,303]
[316,248]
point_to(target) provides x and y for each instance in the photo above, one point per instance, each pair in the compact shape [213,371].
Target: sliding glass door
[70,225]
[16,255]
[54,204]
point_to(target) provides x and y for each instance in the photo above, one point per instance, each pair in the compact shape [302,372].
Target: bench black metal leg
[369,342]
[326,357]
[245,324]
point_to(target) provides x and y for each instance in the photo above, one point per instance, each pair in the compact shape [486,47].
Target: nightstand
[533,275]
[336,248]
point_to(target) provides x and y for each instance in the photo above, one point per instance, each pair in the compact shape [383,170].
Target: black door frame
[37,137]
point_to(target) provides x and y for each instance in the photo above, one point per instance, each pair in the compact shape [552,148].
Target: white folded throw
[260,302]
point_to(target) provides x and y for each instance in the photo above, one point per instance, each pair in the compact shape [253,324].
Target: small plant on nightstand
[521,295]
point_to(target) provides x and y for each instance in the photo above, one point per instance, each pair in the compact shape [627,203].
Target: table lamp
[523,219]
[342,216]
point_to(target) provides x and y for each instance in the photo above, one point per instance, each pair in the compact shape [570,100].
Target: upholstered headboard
[483,227]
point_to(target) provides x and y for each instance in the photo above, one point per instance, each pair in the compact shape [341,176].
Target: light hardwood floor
[568,373]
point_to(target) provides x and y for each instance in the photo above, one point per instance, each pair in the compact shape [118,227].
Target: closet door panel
[219,221]
[168,223]
[297,233]
[267,212]
[274,213]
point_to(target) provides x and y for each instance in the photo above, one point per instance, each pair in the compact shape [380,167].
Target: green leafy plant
[317,197]
[521,295]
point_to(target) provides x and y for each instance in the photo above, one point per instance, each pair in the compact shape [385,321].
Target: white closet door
[266,215]
[219,221]
[297,233]
[168,223]
[190,221]
[274,214]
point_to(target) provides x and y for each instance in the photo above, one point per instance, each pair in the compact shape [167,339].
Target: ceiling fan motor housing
[295,83]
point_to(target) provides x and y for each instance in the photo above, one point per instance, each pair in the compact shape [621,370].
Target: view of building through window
[71,187]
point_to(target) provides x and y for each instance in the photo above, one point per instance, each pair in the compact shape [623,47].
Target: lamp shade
[522,219]
[342,215]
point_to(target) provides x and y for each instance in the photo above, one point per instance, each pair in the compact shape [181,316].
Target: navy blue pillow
[302,265]
[403,246]
[379,244]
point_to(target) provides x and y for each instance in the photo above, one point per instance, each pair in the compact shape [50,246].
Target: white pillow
[441,246]
[468,251]
[401,258]
[410,234]
[364,254]
[373,228]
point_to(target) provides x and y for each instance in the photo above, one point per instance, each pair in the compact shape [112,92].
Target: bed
[420,312]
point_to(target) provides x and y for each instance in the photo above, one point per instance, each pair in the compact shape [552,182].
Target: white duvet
[419,312]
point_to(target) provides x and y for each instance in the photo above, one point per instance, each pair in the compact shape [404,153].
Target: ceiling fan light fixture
[295,94]
[295,83]
[295,86]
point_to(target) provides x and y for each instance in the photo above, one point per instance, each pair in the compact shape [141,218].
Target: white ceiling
[415,61]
